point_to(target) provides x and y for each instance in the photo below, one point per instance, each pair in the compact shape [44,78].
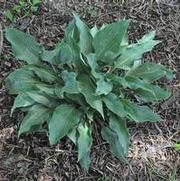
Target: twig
[1,39]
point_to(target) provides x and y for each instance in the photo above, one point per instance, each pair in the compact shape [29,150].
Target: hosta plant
[92,75]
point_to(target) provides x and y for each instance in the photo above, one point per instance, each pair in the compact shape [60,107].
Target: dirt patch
[152,155]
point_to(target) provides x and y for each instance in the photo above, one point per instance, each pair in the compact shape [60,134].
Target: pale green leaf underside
[84,142]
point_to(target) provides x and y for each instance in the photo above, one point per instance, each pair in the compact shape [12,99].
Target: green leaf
[117,136]
[48,89]
[34,8]
[42,98]
[73,39]
[78,58]
[73,135]
[78,99]
[140,113]
[160,94]
[58,91]
[60,55]
[107,41]
[84,145]
[64,118]
[177,146]
[94,31]
[103,87]
[37,115]
[135,51]
[87,89]
[17,8]
[8,15]
[112,138]
[140,86]
[114,104]
[150,72]
[21,80]
[85,162]
[119,127]
[84,140]
[22,100]
[36,2]
[43,72]
[71,31]
[71,85]
[91,60]
[24,46]
[85,38]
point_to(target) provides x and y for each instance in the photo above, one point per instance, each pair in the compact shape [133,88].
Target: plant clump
[92,75]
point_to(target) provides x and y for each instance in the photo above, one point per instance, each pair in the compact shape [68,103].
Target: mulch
[152,155]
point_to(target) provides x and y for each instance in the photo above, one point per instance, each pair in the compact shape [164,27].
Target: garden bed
[152,155]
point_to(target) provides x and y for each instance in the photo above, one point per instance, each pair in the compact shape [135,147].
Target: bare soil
[152,156]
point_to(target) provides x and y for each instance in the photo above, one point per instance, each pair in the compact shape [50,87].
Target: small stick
[1,39]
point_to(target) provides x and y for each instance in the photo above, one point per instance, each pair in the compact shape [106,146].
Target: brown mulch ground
[152,156]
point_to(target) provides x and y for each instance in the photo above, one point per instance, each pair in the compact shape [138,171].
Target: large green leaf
[22,100]
[24,46]
[71,85]
[117,136]
[107,41]
[78,58]
[140,113]
[85,162]
[85,38]
[150,72]
[60,55]
[43,72]
[75,38]
[21,80]
[91,60]
[115,104]
[135,51]
[84,145]
[46,88]
[79,100]
[37,115]
[103,87]
[88,90]
[160,94]
[42,98]
[118,125]
[64,118]
[145,90]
